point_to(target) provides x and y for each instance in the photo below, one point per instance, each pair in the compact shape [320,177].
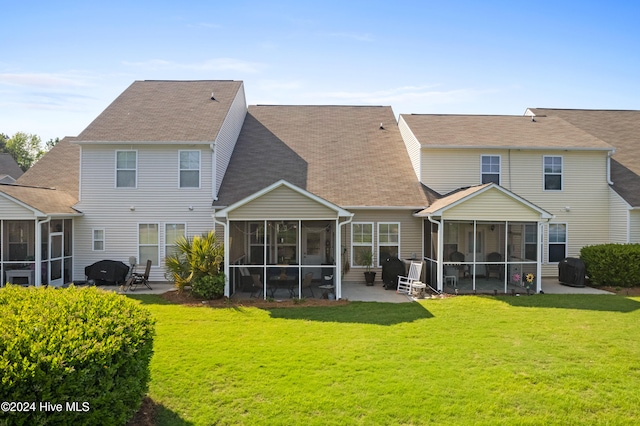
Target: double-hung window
[98,240]
[552,173]
[557,242]
[172,233]
[189,169]
[361,241]
[388,241]
[490,168]
[148,243]
[126,169]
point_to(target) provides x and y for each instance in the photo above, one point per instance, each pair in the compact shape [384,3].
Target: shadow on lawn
[152,413]
[591,302]
[357,312]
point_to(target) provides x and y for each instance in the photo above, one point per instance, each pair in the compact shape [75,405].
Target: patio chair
[137,279]
[497,270]
[257,286]
[458,257]
[306,283]
[405,283]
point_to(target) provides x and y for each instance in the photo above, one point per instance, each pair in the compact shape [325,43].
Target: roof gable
[164,111]
[485,202]
[282,200]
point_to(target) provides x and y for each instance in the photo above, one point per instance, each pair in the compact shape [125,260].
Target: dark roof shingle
[339,153]
[164,111]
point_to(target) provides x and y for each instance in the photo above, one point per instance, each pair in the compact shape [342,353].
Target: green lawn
[544,359]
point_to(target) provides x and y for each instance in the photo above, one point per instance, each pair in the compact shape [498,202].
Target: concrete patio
[359,292]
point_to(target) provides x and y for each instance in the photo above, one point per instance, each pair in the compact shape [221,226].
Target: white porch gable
[281,201]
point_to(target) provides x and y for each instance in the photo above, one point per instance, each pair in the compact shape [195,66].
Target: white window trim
[544,174]
[388,244]
[199,169]
[94,240]
[499,171]
[115,183]
[354,261]
[566,241]
[164,236]
[157,262]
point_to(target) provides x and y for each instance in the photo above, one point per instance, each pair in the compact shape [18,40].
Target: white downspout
[609,154]
[439,266]
[540,254]
[214,171]
[226,254]
[38,256]
[338,253]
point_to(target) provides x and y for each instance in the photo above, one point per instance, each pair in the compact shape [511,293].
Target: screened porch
[490,257]
[282,258]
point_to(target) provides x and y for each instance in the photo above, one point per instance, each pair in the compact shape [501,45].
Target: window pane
[126,159]
[553,182]
[148,234]
[189,160]
[556,252]
[557,233]
[126,179]
[173,232]
[148,252]
[488,178]
[189,179]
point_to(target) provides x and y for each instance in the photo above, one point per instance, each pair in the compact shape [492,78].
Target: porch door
[56,260]
[313,249]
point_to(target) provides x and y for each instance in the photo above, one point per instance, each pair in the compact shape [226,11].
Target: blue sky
[63,62]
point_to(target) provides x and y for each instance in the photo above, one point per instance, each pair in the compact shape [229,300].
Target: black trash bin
[572,272]
[392,267]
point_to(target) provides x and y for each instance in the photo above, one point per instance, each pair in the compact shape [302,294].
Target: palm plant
[194,259]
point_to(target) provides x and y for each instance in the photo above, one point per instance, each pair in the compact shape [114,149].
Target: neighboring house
[621,129]
[549,192]
[9,169]
[306,190]
[37,219]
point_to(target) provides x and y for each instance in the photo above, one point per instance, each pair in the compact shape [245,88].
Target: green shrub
[66,346]
[208,286]
[612,264]
[195,258]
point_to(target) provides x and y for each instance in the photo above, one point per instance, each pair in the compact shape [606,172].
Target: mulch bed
[622,291]
[185,298]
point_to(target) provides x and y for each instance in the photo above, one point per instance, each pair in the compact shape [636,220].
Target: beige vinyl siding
[412,145]
[11,210]
[583,202]
[228,135]
[618,219]
[282,203]
[410,238]
[491,205]
[634,226]
[107,207]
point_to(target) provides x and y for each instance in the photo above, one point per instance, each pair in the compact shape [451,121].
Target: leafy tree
[25,148]
[51,143]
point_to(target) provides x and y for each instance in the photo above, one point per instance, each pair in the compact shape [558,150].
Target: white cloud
[218,64]
[42,80]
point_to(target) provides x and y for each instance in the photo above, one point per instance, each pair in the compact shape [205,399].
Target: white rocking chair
[405,283]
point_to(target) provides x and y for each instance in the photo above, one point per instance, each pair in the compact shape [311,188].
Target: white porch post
[226,253]
[540,253]
[337,274]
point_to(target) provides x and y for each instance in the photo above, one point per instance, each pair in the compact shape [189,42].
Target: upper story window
[189,169]
[126,169]
[490,168]
[552,173]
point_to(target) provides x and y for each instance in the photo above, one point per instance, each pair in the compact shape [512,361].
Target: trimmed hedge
[83,348]
[615,265]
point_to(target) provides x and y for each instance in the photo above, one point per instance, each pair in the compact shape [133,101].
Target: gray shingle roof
[9,167]
[164,111]
[339,153]
[490,131]
[621,129]
[51,184]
